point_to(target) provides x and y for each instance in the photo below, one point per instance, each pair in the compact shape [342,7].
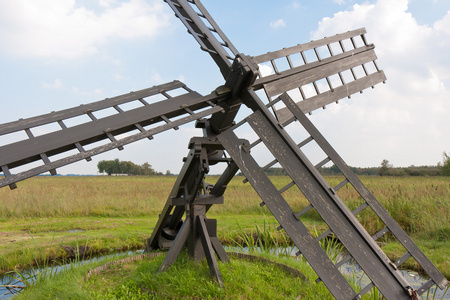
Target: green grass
[189,279]
[118,213]
[185,278]
[68,284]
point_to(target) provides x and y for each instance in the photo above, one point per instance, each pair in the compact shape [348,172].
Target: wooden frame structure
[315,74]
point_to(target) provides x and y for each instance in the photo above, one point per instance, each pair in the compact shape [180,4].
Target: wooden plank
[122,142]
[177,245]
[294,78]
[333,211]
[331,96]
[80,110]
[208,249]
[262,81]
[152,242]
[278,206]
[208,42]
[382,213]
[307,46]
[60,141]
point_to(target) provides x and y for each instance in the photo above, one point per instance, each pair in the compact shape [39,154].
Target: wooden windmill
[329,67]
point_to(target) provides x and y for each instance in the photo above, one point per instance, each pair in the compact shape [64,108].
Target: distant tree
[445,168]
[168,173]
[385,167]
[116,166]
[147,169]
[106,166]
[125,167]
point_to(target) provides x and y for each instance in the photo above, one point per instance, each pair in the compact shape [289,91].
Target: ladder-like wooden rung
[365,290]
[402,259]
[323,162]
[7,174]
[380,233]
[176,4]
[143,101]
[142,129]
[425,287]
[77,144]
[360,208]
[346,259]
[343,261]
[323,235]
[164,93]
[305,141]
[204,48]
[273,162]
[119,110]
[81,149]
[46,161]
[188,110]
[90,114]
[303,211]
[255,143]
[340,185]
[29,133]
[168,122]
[113,139]
[349,257]
[286,187]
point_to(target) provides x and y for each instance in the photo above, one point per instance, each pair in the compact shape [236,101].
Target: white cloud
[340,2]
[408,117]
[60,28]
[107,3]
[54,85]
[295,5]
[443,25]
[278,24]
[265,69]
[117,76]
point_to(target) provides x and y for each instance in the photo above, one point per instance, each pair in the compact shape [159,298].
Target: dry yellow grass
[417,203]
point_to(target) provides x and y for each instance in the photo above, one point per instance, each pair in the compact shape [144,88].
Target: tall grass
[45,266]
[419,204]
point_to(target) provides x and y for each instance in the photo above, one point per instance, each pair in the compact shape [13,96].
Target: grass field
[117,213]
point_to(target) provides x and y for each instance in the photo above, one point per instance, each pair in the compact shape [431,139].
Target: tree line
[127,168]
[385,169]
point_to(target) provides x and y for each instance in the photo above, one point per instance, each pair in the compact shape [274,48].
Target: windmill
[303,78]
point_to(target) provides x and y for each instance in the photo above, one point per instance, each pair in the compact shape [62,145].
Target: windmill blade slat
[63,140]
[323,99]
[145,119]
[11,179]
[308,46]
[304,75]
[222,52]
[93,107]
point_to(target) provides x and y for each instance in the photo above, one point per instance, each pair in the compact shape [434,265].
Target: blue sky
[57,54]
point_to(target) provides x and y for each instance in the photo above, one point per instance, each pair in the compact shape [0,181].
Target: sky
[57,54]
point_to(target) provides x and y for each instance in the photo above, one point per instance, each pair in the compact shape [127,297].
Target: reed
[418,204]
